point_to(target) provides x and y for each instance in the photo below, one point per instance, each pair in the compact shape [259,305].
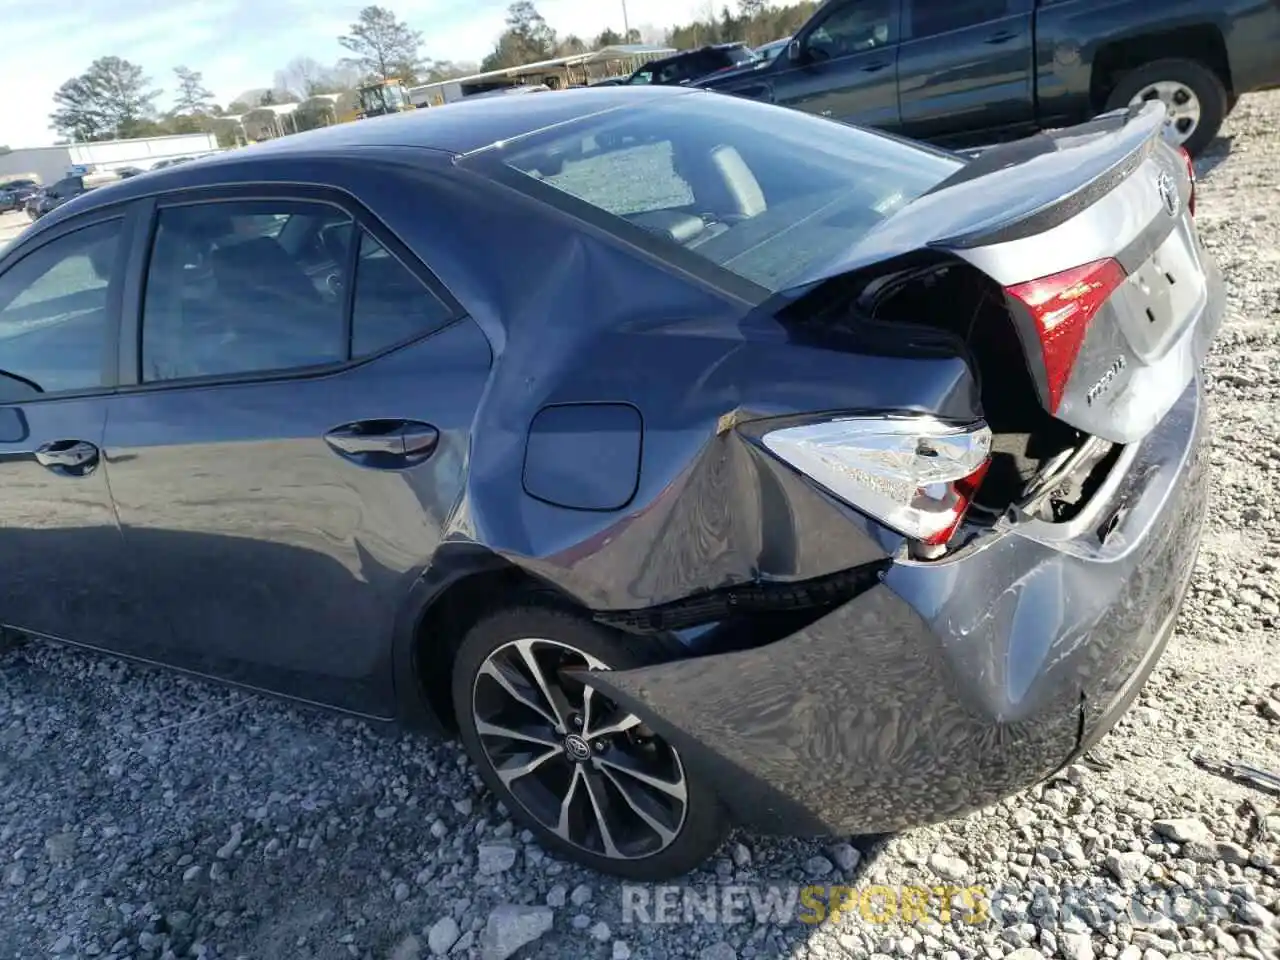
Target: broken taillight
[916,475]
[1191,175]
[1061,307]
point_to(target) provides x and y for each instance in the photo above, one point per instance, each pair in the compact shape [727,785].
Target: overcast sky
[239,44]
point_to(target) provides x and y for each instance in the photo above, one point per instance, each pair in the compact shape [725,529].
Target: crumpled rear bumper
[950,685]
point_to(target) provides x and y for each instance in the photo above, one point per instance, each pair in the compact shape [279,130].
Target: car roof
[450,130]
[465,126]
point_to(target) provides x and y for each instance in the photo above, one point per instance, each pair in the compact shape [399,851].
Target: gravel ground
[147,815]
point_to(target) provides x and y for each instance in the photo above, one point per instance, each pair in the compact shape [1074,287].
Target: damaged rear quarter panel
[947,686]
[600,322]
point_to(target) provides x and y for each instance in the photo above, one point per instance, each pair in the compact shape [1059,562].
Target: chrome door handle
[384,444]
[68,456]
[357,444]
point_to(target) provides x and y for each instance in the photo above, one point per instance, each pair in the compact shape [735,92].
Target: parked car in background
[15,194]
[695,460]
[124,173]
[53,196]
[691,65]
[769,52]
[973,72]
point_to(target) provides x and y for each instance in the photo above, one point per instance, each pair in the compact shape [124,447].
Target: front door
[284,465]
[61,554]
[846,66]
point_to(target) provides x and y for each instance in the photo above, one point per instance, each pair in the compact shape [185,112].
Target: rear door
[965,69]
[62,560]
[847,66]
[288,442]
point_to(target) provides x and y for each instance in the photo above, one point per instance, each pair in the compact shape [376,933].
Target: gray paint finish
[224,534]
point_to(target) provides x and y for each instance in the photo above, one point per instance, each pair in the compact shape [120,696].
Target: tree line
[114,98]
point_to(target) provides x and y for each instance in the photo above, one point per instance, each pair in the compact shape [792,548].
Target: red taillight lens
[1191,175]
[1062,306]
[954,505]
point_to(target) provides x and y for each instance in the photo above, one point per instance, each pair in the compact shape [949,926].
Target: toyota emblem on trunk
[1168,193]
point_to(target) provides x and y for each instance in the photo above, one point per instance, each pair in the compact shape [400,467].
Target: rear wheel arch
[1202,44]
[464,583]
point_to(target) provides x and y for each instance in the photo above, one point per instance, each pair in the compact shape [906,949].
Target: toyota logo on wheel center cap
[576,747]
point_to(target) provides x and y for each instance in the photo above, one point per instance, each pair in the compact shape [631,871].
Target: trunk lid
[1089,232]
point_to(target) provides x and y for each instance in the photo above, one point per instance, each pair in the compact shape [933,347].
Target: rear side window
[853,28]
[391,304]
[931,17]
[225,295]
[695,172]
[54,310]
[247,287]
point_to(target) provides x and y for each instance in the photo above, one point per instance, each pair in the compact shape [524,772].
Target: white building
[580,68]
[53,163]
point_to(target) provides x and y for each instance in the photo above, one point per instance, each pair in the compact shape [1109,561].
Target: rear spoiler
[1008,192]
[1108,148]
[1102,123]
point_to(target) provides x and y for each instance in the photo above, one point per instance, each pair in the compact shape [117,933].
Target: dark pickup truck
[974,72]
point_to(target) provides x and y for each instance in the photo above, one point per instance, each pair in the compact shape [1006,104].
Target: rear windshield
[764,192]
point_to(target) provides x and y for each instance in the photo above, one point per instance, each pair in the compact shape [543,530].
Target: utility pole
[626,24]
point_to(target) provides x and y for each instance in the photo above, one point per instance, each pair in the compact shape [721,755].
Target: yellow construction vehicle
[376,99]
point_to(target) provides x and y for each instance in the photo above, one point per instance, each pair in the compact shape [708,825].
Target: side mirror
[14,389]
[795,52]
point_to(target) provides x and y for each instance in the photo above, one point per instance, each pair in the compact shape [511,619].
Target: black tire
[1202,81]
[704,824]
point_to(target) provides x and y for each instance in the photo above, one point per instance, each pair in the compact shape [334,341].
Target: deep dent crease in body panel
[922,698]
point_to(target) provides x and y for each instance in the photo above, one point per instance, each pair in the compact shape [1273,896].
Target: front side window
[243,287]
[679,71]
[766,193]
[853,28]
[395,97]
[67,187]
[932,17]
[54,310]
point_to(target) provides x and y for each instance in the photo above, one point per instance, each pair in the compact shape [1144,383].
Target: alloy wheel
[582,767]
[1182,108]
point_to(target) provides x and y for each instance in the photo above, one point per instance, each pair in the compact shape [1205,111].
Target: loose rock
[444,933]
[494,858]
[512,926]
